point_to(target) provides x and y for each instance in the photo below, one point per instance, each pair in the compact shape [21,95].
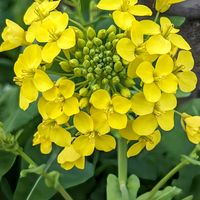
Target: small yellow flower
[60,99]
[164,5]
[70,157]
[13,36]
[50,131]
[187,79]
[29,76]
[124,11]
[115,108]
[53,31]
[153,114]
[148,141]
[93,130]
[162,42]
[157,79]
[192,128]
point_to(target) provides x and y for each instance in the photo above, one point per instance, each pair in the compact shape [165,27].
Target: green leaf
[113,188]
[133,185]
[188,198]
[10,113]
[6,162]
[85,9]
[177,20]
[180,94]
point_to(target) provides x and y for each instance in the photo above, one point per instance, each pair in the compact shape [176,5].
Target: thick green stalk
[122,167]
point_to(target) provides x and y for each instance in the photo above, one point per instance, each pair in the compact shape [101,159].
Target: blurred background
[90,184]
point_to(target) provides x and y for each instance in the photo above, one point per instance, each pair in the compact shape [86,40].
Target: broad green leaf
[133,185]
[113,188]
[5,189]
[188,198]
[6,162]
[10,113]
[85,9]
[177,20]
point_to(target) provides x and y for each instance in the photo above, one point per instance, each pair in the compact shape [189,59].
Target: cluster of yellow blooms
[124,78]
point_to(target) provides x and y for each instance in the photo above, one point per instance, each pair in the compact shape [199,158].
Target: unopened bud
[101,34]
[74,63]
[81,43]
[77,72]
[83,102]
[83,92]
[65,66]
[91,33]
[97,41]
[125,92]
[118,66]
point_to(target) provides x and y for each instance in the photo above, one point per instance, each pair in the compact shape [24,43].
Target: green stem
[162,182]
[157,16]
[64,194]
[78,24]
[122,167]
[178,113]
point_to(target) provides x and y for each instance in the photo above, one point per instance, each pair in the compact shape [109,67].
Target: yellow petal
[152,92]
[167,102]
[166,120]
[132,67]
[100,123]
[62,119]
[100,99]
[117,121]
[60,136]
[80,163]
[137,33]
[51,94]
[150,27]
[54,109]
[140,10]
[187,81]
[50,51]
[42,107]
[42,81]
[23,102]
[71,106]
[145,71]
[140,105]
[135,149]
[126,49]
[179,41]
[105,143]
[154,140]
[145,125]
[68,154]
[157,44]
[168,84]
[167,27]
[110,4]
[67,40]
[46,147]
[83,123]
[128,132]
[164,65]
[186,60]
[85,145]
[193,121]
[66,87]
[29,90]
[123,20]
[121,104]
[31,14]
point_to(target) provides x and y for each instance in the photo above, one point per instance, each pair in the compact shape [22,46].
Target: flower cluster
[90,84]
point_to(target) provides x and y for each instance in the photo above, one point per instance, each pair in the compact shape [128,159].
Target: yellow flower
[60,100]
[148,141]
[192,128]
[164,5]
[39,10]
[162,42]
[53,30]
[93,130]
[50,131]
[157,79]
[13,36]
[115,108]
[70,157]
[124,11]
[128,49]
[187,79]
[29,76]
[153,114]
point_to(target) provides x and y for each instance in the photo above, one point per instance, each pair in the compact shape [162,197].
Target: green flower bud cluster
[95,58]
[8,142]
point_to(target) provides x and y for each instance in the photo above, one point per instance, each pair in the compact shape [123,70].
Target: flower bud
[125,92]
[111,28]
[90,77]
[81,43]
[91,33]
[97,41]
[65,66]
[86,50]
[101,34]
[118,66]
[83,102]
[115,80]
[83,92]
[77,72]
